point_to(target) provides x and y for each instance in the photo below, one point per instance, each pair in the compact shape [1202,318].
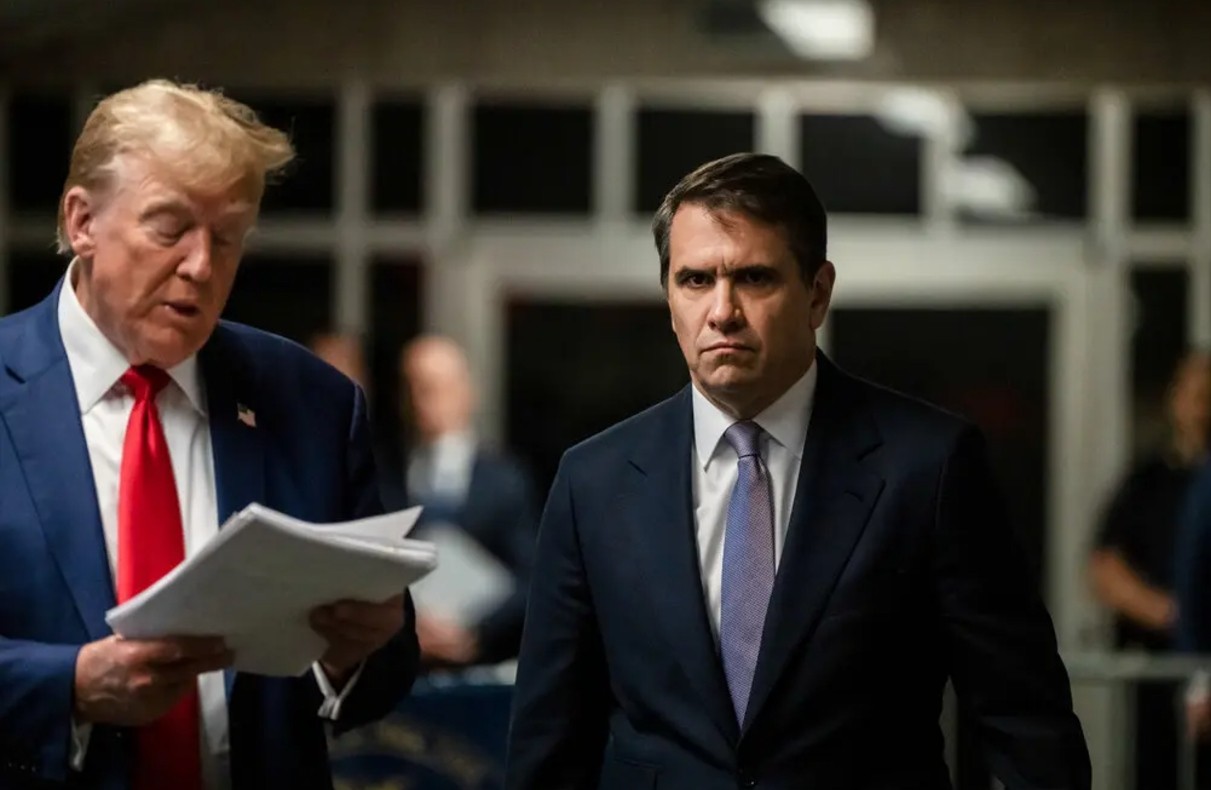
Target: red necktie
[151,542]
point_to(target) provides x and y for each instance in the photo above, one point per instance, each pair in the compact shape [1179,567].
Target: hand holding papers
[257,581]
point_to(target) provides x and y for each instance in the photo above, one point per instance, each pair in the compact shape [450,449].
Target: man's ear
[79,213]
[822,293]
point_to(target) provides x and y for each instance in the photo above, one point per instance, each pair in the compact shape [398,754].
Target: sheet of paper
[389,528]
[468,584]
[256,582]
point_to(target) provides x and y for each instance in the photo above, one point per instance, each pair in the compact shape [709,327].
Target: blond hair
[206,138]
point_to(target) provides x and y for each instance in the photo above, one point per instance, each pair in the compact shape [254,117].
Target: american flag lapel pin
[245,415]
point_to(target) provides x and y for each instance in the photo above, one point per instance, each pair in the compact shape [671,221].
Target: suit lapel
[834,498]
[658,510]
[237,440]
[43,419]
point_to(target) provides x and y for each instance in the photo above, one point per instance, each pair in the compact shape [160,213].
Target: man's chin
[170,348]
[728,375]
[733,384]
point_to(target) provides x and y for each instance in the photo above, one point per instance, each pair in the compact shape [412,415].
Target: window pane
[396,176]
[532,159]
[395,318]
[575,369]
[1048,152]
[1161,186]
[672,143]
[39,148]
[308,182]
[859,166]
[286,295]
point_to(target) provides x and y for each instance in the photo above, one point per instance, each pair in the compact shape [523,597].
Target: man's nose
[198,263]
[725,307]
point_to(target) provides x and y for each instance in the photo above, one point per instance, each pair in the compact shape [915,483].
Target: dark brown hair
[763,188]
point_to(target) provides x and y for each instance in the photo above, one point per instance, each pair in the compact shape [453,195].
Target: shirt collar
[785,420]
[96,364]
[453,442]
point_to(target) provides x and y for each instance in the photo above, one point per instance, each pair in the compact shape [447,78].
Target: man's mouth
[183,309]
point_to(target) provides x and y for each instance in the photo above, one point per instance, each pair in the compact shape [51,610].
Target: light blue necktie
[748,564]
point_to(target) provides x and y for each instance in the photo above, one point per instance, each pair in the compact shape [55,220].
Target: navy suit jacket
[308,456]
[499,512]
[1192,567]
[898,572]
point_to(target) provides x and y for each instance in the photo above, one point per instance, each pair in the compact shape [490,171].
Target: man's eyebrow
[165,206]
[747,266]
[237,210]
[725,268]
[688,270]
[178,208]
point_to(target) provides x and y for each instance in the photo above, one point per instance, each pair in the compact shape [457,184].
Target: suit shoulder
[15,322]
[285,363]
[622,436]
[12,325]
[1200,479]
[908,420]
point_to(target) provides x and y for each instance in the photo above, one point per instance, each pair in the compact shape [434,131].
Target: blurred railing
[1121,671]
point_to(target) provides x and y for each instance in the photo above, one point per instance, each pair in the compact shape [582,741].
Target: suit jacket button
[746,781]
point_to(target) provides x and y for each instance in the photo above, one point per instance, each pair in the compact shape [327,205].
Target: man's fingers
[388,616]
[176,649]
[346,633]
[187,670]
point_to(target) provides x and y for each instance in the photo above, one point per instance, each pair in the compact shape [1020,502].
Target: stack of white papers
[469,584]
[257,581]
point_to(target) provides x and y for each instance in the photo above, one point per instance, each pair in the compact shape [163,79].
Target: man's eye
[756,276]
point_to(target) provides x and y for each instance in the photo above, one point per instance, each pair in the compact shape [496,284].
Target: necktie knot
[745,438]
[145,381]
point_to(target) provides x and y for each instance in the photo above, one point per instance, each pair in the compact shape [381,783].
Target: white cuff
[80,733]
[331,707]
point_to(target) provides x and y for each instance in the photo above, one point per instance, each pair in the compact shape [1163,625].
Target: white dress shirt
[715,466]
[442,469]
[105,405]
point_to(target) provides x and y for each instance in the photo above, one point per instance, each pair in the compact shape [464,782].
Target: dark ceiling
[27,25]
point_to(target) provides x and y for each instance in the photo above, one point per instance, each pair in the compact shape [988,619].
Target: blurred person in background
[343,351]
[463,484]
[1132,566]
[767,579]
[133,422]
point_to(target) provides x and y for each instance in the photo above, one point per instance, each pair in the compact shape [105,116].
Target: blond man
[133,422]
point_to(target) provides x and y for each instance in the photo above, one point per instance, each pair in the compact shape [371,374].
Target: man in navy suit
[132,424]
[463,485]
[766,580]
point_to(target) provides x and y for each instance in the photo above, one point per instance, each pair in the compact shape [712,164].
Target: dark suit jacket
[898,572]
[1192,566]
[308,456]
[500,513]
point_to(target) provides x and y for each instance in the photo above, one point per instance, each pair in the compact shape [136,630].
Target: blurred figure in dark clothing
[1132,567]
[460,481]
